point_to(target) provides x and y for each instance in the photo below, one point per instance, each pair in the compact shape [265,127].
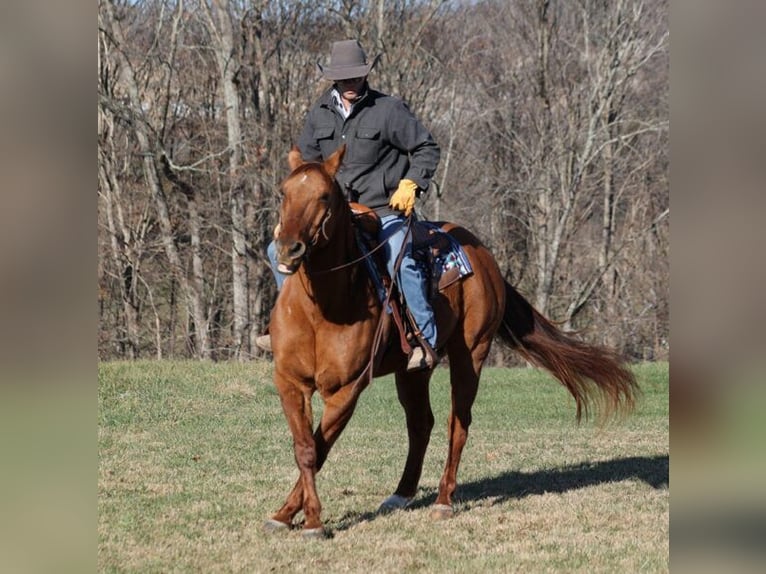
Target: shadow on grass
[653,470]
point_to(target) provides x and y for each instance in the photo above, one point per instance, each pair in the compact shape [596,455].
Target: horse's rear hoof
[273,526]
[314,533]
[394,502]
[441,512]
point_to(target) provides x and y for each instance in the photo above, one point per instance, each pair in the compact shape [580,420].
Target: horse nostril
[297,249]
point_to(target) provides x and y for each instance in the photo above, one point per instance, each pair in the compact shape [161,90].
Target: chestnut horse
[324,323]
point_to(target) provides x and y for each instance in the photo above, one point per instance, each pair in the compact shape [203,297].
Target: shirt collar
[338,103]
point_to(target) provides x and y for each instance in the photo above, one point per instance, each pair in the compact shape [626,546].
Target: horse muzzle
[289,258]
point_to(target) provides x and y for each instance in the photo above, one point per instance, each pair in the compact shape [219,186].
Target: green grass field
[194,456]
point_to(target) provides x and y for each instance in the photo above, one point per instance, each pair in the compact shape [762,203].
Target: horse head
[310,198]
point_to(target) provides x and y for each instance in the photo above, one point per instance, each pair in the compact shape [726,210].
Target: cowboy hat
[347,60]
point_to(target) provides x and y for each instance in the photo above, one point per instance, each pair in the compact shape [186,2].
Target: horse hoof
[394,502]
[314,533]
[272,526]
[441,512]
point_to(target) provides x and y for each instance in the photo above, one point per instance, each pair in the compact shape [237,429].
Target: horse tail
[592,374]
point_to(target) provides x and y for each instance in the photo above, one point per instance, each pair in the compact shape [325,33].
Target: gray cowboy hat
[347,60]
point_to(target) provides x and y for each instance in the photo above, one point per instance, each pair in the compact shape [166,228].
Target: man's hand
[403,198]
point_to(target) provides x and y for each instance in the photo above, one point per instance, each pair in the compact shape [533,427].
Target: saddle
[439,256]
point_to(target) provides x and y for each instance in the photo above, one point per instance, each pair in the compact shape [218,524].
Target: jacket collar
[328,99]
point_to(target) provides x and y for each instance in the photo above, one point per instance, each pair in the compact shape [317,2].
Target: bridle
[321,229]
[376,350]
[407,222]
[321,232]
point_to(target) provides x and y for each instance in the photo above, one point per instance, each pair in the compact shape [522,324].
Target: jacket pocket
[368,145]
[323,135]
[323,132]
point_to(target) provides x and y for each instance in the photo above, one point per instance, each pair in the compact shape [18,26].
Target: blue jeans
[271,251]
[411,282]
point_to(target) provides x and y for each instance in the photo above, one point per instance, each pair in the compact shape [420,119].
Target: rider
[389,161]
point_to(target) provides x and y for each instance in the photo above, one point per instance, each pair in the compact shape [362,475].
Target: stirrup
[419,360]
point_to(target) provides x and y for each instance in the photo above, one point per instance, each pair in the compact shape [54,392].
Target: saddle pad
[447,264]
[449,260]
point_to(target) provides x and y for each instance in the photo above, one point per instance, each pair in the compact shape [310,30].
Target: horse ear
[294,158]
[332,163]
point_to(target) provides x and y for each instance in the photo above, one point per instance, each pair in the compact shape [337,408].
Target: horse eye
[324,198]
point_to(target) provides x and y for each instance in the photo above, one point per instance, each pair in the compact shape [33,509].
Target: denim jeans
[271,251]
[410,282]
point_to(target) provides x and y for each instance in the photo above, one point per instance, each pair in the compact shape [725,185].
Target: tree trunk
[150,151]
[200,311]
[220,27]
[124,262]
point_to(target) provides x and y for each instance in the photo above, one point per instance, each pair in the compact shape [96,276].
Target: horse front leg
[337,412]
[412,391]
[296,404]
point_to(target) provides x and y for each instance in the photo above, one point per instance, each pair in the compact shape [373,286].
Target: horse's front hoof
[314,533]
[272,526]
[441,511]
[394,502]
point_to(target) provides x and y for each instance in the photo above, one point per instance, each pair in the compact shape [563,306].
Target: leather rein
[376,356]
[325,218]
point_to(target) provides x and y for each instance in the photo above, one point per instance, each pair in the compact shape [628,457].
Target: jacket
[385,143]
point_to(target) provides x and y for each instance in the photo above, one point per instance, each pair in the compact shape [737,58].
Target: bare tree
[218,18]
[154,158]
[125,240]
[563,130]
[551,115]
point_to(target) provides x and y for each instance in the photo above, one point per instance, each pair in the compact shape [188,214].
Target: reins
[358,259]
[375,358]
[375,355]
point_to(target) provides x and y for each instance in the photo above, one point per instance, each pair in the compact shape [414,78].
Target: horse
[328,316]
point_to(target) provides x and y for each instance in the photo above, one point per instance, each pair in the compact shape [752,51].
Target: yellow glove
[403,198]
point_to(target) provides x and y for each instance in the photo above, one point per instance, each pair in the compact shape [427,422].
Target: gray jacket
[385,143]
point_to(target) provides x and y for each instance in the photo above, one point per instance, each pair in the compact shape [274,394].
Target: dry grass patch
[193,457]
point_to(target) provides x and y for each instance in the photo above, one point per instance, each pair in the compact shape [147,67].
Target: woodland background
[552,117]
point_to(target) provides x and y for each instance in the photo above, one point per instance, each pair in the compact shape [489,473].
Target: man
[390,159]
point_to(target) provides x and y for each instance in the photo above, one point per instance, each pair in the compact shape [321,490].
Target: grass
[194,456]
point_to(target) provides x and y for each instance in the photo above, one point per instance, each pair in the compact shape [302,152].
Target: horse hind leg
[465,369]
[413,393]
